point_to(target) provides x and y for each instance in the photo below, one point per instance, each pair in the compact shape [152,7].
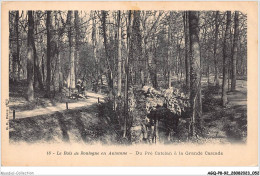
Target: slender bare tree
[234,52]
[30,64]
[216,79]
[49,54]
[187,59]
[226,58]
[119,69]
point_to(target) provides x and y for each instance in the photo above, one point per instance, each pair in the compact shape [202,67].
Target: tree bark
[234,52]
[10,46]
[60,75]
[169,56]
[216,78]
[60,72]
[138,64]
[17,64]
[49,54]
[71,36]
[30,64]
[77,36]
[37,71]
[178,60]
[149,59]
[195,71]
[43,75]
[129,31]
[226,58]
[153,65]
[187,59]
[119,69]
[94,46]
[109,72]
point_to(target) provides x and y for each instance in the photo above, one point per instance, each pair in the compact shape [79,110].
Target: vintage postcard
[129,84]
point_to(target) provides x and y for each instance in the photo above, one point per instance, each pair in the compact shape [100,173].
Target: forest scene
[128,77]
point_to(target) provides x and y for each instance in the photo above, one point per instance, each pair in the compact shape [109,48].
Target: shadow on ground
[79,125]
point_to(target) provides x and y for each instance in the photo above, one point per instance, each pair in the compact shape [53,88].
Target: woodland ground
[47,121]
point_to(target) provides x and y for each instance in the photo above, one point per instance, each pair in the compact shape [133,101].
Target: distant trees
[159,38]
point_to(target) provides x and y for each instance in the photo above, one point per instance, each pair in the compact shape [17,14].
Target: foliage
[174,99]
[209,100]
[106,111]
[165,105]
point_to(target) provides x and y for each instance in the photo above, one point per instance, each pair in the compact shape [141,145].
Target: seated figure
[80,88]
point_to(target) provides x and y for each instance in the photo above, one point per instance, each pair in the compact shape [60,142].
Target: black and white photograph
[128,77]
[129,84]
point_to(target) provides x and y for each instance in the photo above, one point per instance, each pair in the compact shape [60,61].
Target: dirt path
[91,99]
[239,97]
[81,124]
[229,124]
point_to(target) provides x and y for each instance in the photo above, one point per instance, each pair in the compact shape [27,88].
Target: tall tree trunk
[35,82]
[195,71]
[60,71]
[77,34]
[59,64]
[226,58]
[71,36]
[129,31]
[153,65]
[119,69]
[146,59]
[228,76]
[30,65]
[187,59]
[234,52]
[37,71]
[137,47]
[169,56]
[208,71]
[49,54]
[10,46]
[178,60]
[216,78]
[43,75]
[94,46]
[17,64]
[109,72]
